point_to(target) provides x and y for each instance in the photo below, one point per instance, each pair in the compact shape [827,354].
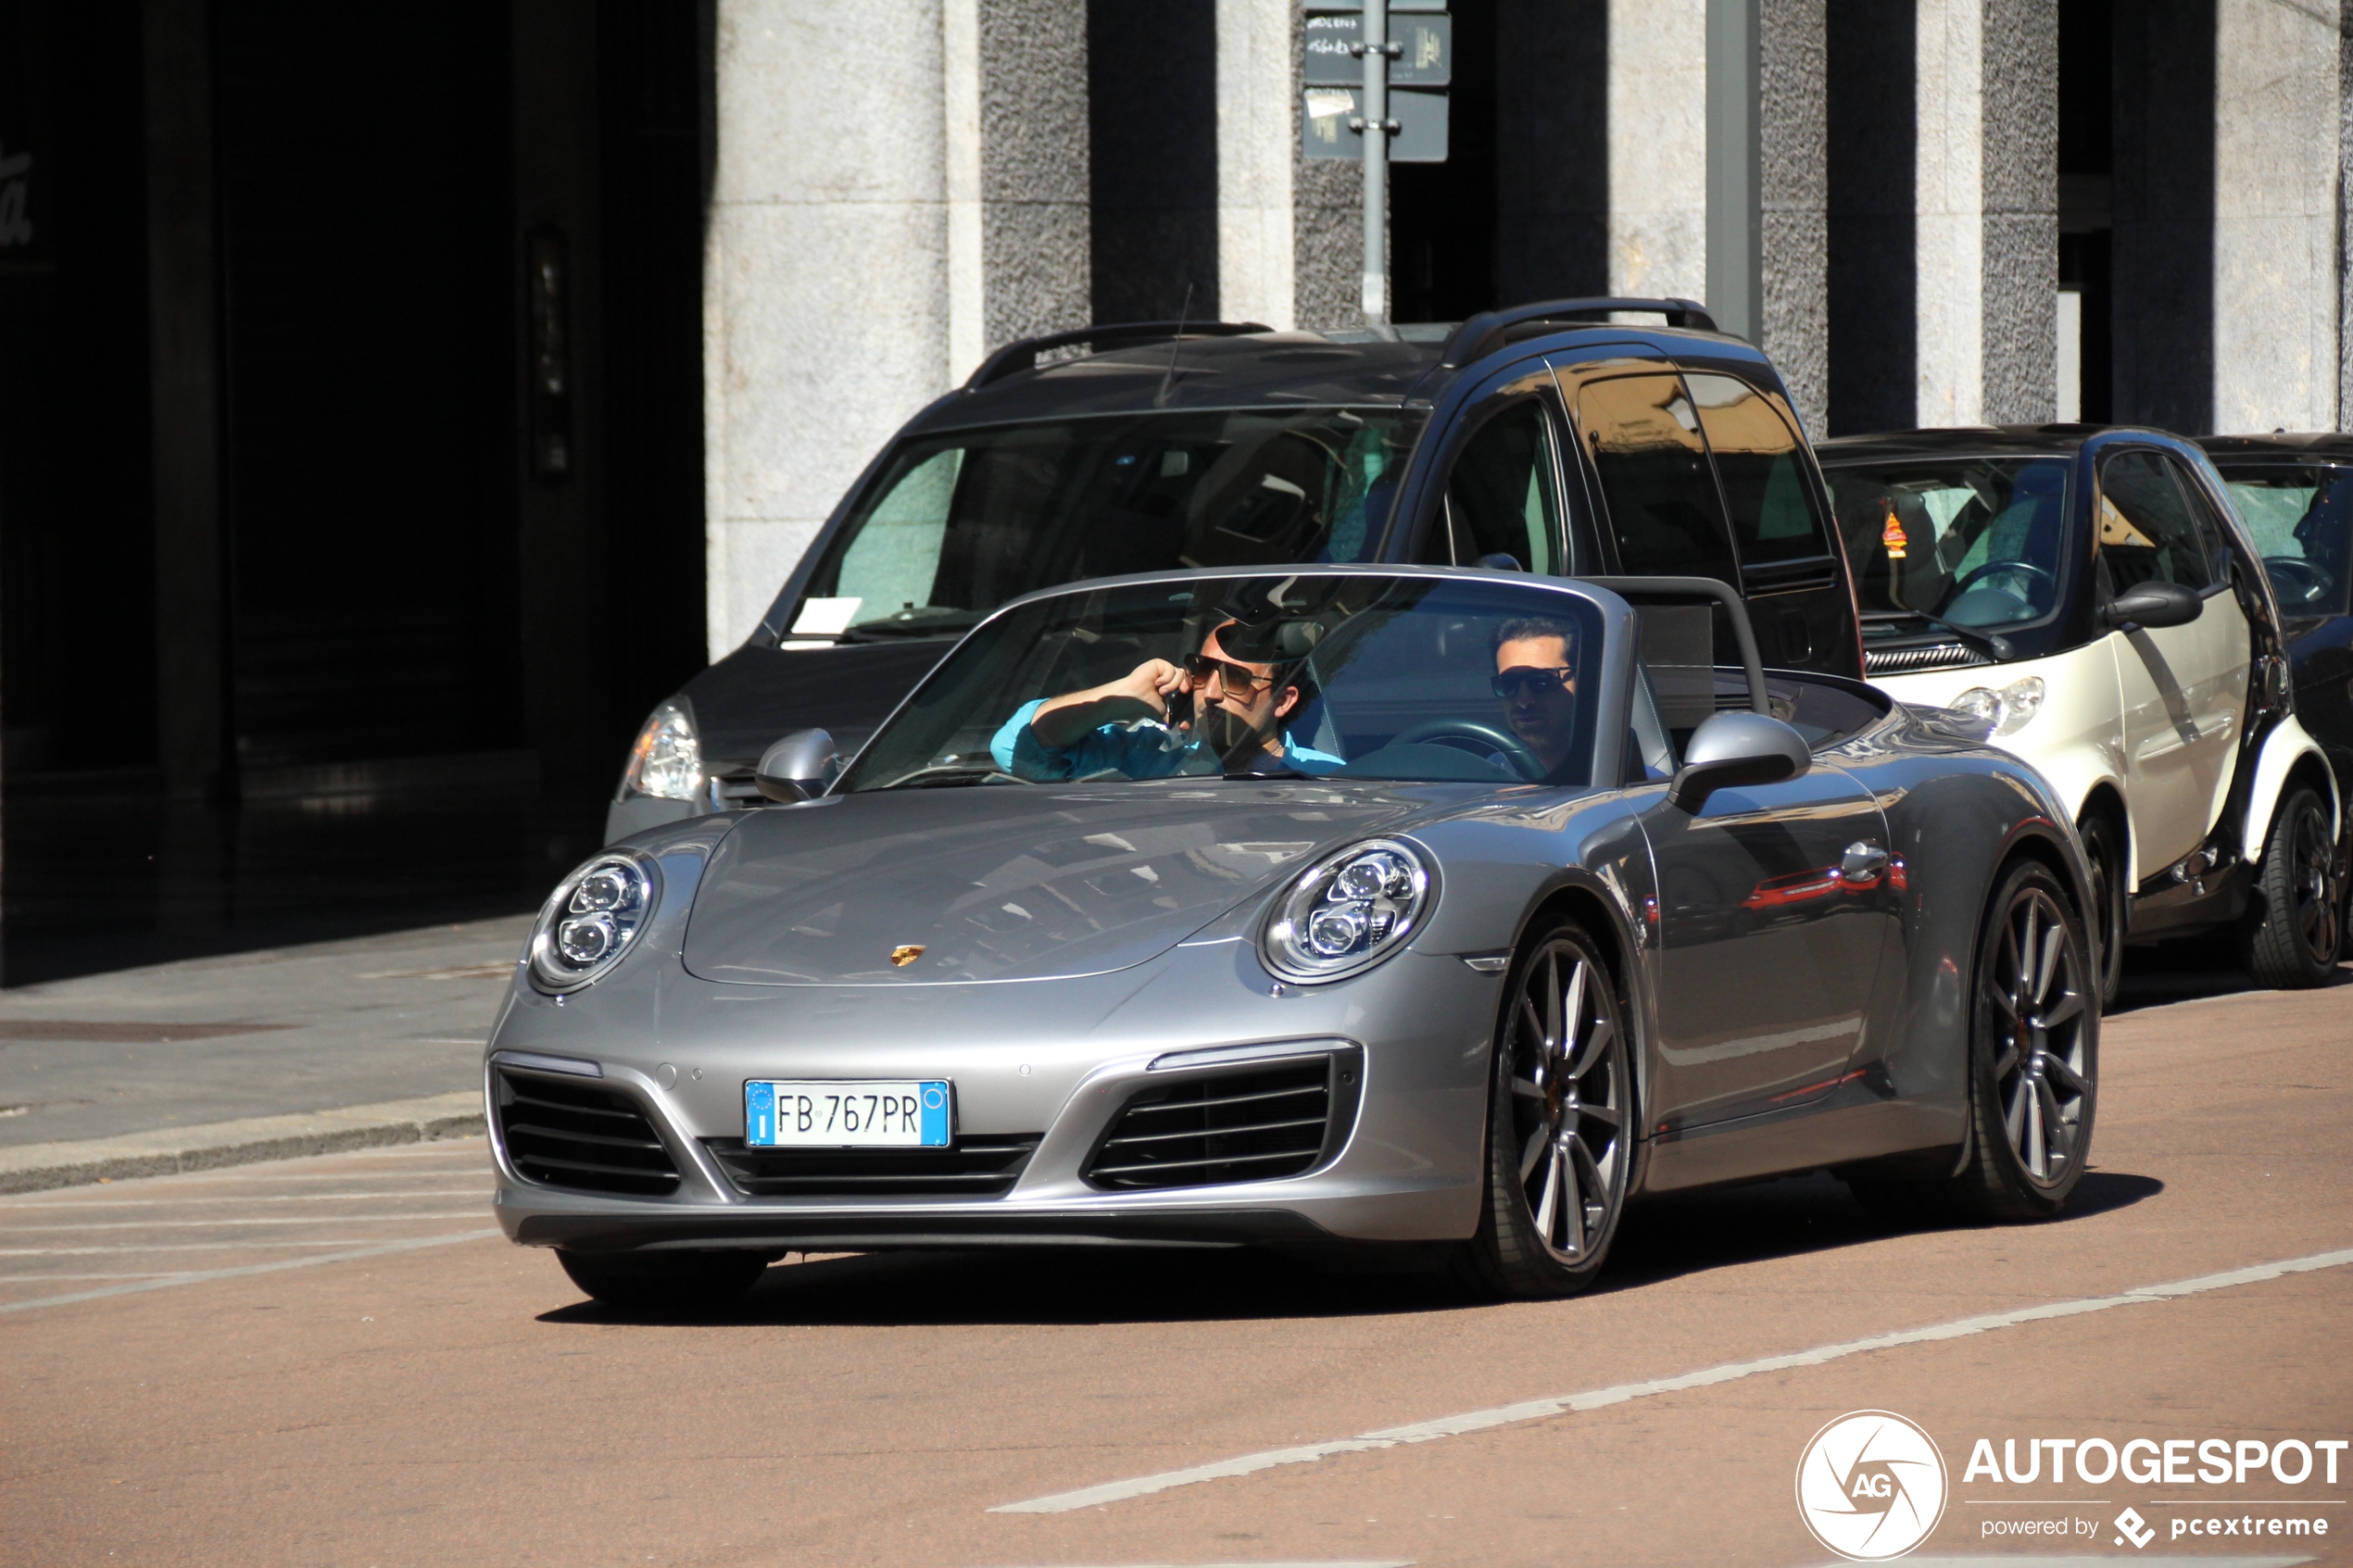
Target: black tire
[2111,886]
[2033,1052]
[666,1283]
[1560,1125]
[2296,930]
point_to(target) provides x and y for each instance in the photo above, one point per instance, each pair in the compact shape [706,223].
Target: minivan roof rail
[1483,333]
[1022,355]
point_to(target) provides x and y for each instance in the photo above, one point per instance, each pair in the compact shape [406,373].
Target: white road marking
[1595,1398]
[173,1246]
[201,1276]
[272,1220]
[264,1197]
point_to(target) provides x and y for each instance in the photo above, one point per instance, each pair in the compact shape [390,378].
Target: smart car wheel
[2104,849]
[664,1282]
[2296,936]
[2033,1052]
[1559,1123]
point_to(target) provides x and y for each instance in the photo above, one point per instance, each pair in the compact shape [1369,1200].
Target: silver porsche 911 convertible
[1431,911]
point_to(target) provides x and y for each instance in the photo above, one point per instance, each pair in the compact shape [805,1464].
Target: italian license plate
[854,1113]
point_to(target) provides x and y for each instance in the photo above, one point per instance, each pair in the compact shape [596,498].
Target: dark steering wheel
[1471,732]
[1991,567]
[2295,579]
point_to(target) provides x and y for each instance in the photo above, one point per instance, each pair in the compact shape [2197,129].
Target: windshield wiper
[949,778]
[1266,774]
[1990,643]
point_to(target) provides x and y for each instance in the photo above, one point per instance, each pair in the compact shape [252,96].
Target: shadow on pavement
[1663,1239]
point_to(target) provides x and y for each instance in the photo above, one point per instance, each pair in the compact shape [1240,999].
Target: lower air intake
[1249,1125]
[563,1132]
[979,1166]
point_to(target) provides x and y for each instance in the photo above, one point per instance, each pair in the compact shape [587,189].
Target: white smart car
[2091,595]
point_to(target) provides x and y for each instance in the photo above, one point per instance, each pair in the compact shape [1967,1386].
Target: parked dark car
[2295,493]
[2091,595]
[1547,437]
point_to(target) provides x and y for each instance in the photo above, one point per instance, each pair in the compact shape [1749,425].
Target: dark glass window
[1501,498]
[2147,532]
[1643,436]
[1756,457]
[2300,516]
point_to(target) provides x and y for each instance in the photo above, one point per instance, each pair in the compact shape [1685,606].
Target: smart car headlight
[2006,711]
[1348,912]
[667,761]
[591,922]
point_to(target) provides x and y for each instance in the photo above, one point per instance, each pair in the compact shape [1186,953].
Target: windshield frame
[1615,661]
[864,497]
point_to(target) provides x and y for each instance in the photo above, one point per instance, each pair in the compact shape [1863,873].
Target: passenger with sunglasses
[1536,676]
[1124,726]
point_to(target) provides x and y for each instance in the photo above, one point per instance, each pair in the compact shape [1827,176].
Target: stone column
[1658,109]
[2018,182]
[900,187]
[1257,138]
[1794,169]
[2275,259]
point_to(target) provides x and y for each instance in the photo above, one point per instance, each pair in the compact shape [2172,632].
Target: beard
[1226,732]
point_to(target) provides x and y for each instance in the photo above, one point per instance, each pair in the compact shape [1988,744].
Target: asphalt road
[326,1361]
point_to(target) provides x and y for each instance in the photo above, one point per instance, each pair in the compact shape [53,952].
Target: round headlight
[590,923]
[2006,711]
[667,761]
[1347,911]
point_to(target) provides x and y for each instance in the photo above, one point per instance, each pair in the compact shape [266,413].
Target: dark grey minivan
[1554,438]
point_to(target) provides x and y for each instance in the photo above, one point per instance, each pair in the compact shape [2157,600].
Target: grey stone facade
[1036,258]
[1793,133]
[2021,183]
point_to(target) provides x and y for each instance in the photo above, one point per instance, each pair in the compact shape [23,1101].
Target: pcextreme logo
[1870,1486]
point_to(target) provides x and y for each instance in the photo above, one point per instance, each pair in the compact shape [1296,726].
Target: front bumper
[1057,1059]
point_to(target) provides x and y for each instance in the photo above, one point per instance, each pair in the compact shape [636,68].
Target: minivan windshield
[1337,674]
[958,523]
[1972,541]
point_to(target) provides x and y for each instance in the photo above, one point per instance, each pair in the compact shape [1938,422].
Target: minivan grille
[978,1165]
[1247,1125]
[568,1134]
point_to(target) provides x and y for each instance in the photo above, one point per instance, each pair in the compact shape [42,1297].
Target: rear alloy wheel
[2103,849]
[1560,1122]
[2034,1053]
[665,1284]
[2295,940]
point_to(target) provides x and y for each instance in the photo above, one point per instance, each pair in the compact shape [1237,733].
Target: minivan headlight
[591,922]
[2006,711]
[667,761]
[1348,912]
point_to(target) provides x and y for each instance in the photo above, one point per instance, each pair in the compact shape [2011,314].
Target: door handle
[1863,862]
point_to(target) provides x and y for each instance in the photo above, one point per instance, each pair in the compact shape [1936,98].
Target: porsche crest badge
[901,957]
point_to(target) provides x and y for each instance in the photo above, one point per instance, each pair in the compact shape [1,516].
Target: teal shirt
[1145,749]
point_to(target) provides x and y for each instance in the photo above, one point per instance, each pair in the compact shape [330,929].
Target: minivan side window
[1756,458]
[1502,497]
[2145,530]
[1644,437]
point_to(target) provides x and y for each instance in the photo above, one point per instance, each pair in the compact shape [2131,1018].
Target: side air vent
[563,1132]
[1249,1124]
[980,1165]
[1938,656]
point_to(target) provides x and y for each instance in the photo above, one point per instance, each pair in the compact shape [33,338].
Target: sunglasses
[1234,677]
[1526,678]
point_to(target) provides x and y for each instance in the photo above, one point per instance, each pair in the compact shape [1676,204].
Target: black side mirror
[799,767]
[2154,604]
[1734,751]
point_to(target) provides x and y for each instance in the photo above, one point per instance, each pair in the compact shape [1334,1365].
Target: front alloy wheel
[1560,1124]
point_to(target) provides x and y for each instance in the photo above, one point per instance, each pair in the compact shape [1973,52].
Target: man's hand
[1142,693]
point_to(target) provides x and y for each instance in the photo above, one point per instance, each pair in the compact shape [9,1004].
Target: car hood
[999,882]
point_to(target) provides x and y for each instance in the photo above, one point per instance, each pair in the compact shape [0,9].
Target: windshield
[958,524]
[2301,519]
[1354,676]
[1975,542]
